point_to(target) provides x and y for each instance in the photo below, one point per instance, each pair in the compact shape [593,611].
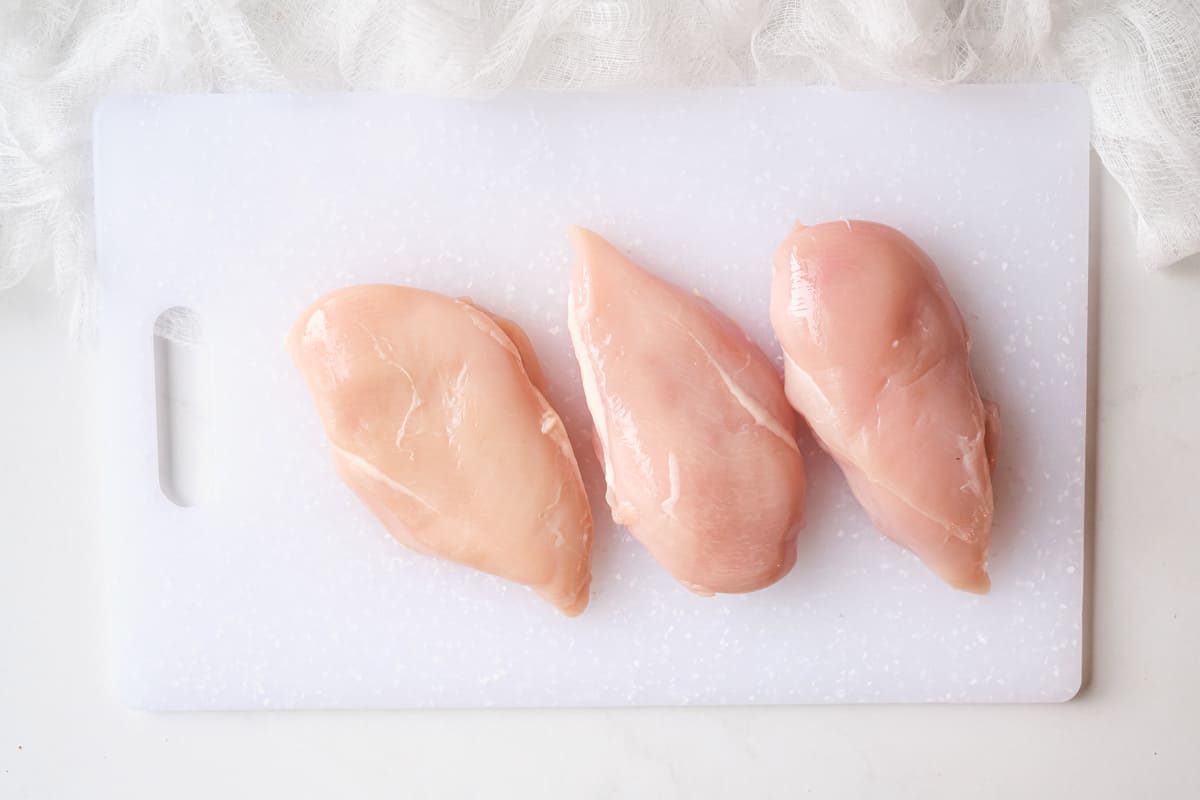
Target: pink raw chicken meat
[877,362]
[437,421]
[691,424]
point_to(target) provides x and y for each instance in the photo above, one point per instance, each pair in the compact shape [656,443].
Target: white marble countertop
[1133,731]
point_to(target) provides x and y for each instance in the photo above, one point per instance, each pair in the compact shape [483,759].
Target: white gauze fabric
[1138,59]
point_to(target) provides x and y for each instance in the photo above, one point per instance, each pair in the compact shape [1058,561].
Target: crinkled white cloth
[1139,59]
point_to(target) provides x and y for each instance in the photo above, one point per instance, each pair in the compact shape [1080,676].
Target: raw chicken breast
[437,422]
[691,424]
[877,362]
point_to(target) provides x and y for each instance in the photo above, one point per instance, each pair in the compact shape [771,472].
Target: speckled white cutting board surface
[279,590]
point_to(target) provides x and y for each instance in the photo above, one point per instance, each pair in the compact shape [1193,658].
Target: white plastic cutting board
[279,590]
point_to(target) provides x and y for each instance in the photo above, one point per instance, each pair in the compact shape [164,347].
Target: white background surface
[280,590]
[1132,732]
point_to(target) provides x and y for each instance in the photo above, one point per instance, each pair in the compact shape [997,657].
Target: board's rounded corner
[130,699]
[1071,691]
[101,112]
[1078,100]
[111,108]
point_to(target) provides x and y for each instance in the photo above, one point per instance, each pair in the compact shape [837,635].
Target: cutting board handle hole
[181,403]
